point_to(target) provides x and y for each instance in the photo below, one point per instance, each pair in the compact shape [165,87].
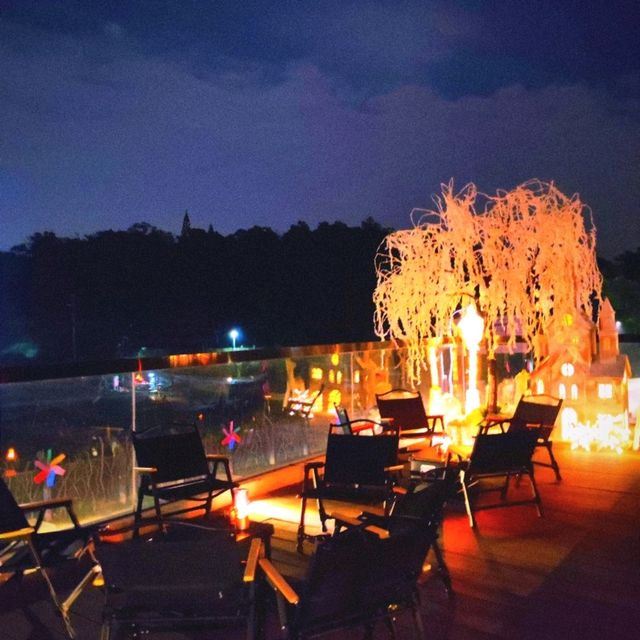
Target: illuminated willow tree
[525,258]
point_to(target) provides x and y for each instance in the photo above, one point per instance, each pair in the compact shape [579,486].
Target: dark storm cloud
[267,113]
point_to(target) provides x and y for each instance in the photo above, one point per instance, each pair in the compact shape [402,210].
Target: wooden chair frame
[42,548]
[355,468]
[498,455]
[538,412]
[173,466]
[405,410]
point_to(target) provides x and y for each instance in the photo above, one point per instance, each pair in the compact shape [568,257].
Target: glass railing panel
[69,437]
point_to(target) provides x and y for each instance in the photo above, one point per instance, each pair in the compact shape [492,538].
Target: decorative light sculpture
[526,257]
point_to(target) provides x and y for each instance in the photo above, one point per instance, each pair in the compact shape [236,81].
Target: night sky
[250,112]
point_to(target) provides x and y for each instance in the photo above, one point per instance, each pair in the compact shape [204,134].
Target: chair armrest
[54,503]
[421,431]
[278,582]
[318,464]
[343,519]
[255,550]
[394,467]
[17,534]
[216,457]
[145,469]
[41,507]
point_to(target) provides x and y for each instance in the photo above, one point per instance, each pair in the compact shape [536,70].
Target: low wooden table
[427,460]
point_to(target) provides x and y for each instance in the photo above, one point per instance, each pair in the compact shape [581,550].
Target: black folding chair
[405,410]
[420,507]
[354,579]
[173,466]
[191,575]
[355,469]
[23,547]
[498,455]
[533,412]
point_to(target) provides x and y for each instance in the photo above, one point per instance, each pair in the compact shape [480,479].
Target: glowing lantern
[241,508]
[11,457]
[471,327]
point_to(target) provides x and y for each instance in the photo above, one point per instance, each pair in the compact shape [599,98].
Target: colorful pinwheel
[49,469]
[231,437]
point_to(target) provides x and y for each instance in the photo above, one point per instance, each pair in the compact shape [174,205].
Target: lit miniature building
[591,376]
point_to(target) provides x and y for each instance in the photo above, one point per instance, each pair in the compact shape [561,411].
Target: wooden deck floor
[575,573]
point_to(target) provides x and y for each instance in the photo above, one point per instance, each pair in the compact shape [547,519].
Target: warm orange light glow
[317,373]
[525,254]
[567,369]
[11,456]
[335,359]
[605,391]
[241,506]
[608,432]
[471,327]
[335,397]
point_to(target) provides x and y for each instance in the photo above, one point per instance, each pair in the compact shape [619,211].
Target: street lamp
[471,327]
[233,334]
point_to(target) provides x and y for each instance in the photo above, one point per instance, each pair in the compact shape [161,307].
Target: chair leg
[467,500]
[534,489]
[69,632]
[554,462]
[137,516]
[443,569]
[303,510]
[417,619]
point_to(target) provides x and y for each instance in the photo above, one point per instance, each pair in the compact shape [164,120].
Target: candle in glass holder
[241,508]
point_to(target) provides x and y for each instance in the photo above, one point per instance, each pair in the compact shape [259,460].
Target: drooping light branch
[526,257]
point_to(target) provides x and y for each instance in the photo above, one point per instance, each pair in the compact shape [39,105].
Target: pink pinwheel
[49,469]
[231,437]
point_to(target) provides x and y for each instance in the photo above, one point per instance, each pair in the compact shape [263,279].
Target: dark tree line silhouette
[109,294]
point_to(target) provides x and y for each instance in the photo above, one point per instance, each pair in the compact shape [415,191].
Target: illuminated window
[332,375]
[605,391]
[567,369]
[339,377]
[574,391]
[356,376]
[540,386]
[316,373]
[567,320]
[562,391]
[335,359]
[335,397]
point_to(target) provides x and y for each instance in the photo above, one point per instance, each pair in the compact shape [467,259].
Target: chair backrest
[353,459]
[502,452]
[330,594]
[538,411]
[302,406]
[425,503]
[188,567]
[176,451]
[394,565]
[11,516]
[354,576]
[404,407]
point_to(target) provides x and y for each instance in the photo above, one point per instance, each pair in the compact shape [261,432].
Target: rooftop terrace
[572,573]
